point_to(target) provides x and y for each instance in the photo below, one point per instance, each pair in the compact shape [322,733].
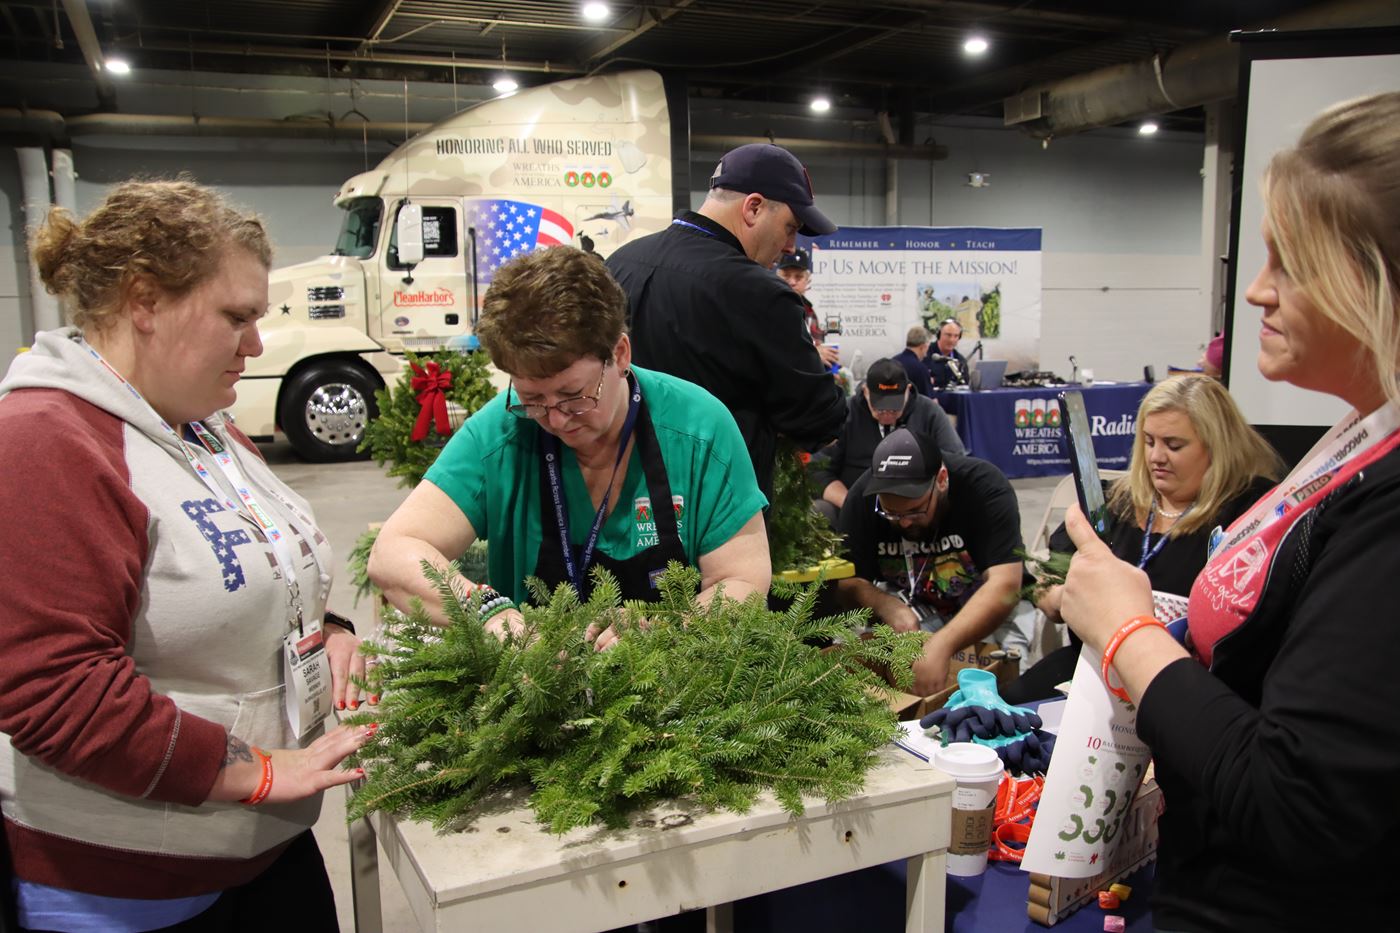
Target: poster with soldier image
[877,282]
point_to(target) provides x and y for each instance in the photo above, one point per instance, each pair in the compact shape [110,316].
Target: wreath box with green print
[1051,898]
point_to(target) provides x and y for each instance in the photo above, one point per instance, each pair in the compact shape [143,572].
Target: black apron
[637,575]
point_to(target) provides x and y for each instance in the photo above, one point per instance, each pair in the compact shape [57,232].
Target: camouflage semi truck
[587,162]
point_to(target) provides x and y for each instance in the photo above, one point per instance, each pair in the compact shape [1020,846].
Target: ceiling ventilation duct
[1188,76]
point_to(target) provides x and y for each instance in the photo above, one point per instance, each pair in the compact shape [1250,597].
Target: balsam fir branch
[715,702]
[798,538]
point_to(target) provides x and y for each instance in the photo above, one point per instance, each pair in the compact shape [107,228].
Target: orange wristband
[265,785]
[1135,624]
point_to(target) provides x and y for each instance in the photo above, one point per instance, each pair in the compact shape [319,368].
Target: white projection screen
[1287,79]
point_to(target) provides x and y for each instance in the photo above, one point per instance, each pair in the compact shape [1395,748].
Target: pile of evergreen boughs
[387,438]
[716,703]
[798,537]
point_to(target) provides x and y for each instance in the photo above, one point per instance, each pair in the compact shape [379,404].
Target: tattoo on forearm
[236,750]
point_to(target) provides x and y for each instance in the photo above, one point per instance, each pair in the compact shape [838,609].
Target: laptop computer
[988,375]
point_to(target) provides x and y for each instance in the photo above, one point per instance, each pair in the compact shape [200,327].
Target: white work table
[507,873]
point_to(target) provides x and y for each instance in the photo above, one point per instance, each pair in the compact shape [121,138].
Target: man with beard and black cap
[704,305]
[934,541]
[885,402]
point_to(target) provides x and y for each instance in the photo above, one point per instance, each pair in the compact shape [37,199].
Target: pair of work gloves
[977,713]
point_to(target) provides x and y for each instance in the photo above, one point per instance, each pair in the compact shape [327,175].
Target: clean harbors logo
[424,298]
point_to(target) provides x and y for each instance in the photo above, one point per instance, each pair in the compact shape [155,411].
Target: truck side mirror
[409,231]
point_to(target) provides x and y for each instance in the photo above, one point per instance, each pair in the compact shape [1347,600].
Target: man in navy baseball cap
[704,304]
[775,173]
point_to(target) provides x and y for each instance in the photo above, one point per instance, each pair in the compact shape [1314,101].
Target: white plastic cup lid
[968,761]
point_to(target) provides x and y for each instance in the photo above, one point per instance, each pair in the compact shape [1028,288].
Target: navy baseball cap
[904,464]
[798,259]
[775,173]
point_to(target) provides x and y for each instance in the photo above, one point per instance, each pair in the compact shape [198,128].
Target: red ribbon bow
[432,400]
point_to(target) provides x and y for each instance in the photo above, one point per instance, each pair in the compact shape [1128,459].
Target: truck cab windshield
[361,228]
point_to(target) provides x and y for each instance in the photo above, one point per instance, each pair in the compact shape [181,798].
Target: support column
[892,192]
[1217,173]
[34,181]
[64,180]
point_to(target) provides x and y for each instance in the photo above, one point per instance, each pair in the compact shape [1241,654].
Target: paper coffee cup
[978,770]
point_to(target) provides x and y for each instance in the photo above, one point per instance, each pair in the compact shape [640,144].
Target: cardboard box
[986,656]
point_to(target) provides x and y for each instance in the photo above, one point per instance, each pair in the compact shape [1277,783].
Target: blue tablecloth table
[1019,429]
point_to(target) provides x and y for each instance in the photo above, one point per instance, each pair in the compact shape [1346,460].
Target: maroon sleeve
[70,695]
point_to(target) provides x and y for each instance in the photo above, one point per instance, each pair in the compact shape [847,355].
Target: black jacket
[700,309]
[849,455]
[1278,765]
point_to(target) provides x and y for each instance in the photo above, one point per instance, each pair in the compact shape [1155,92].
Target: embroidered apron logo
[645,520]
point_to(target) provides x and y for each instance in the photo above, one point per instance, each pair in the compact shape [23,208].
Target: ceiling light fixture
[979,179]
[505,84]
[820,105]
[976,45]
[595,12]
[1148,128]
[117,66]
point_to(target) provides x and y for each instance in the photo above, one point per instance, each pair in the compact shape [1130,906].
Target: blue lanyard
[1147,555]
[686,223]
[577,570]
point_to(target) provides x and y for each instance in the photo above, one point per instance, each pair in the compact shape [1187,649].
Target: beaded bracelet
[494,607]
[1136,623]
[265,785]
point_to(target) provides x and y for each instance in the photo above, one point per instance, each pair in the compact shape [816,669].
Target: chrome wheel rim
[336,414]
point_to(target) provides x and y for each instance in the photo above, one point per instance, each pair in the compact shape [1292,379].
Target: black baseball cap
[904,464]
[798,259]
[886,381]
[775,173]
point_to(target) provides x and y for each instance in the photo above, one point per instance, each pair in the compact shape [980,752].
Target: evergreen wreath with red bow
[417,414]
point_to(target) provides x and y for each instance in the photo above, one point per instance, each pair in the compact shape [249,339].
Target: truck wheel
[325,410]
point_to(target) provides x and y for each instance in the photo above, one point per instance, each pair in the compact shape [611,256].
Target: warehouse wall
[1121,214]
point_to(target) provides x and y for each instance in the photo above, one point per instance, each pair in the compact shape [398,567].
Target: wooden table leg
[364,877]
[925,894]
[719,918]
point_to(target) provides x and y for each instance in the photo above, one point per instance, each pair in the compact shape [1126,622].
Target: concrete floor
[346,497]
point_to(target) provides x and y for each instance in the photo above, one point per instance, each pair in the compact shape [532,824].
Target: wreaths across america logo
[645,519]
